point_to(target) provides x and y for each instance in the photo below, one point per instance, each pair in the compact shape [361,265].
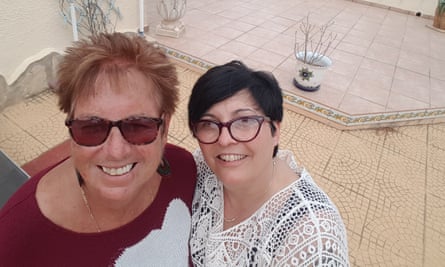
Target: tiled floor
[388,183]
[388,66]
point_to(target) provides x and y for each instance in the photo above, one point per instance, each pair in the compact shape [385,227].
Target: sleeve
[316,238]
[310,230]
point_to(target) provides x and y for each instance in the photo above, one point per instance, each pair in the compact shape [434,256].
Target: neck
[240,204]
[104,215]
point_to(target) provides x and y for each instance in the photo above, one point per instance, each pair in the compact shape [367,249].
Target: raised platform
[329,115]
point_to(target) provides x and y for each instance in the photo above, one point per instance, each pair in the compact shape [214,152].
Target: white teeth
[231,157]
[117,171]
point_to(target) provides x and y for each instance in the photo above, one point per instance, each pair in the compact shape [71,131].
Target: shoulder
[181,162]
[176,155]
[308,215]
[26,192]
[174,151]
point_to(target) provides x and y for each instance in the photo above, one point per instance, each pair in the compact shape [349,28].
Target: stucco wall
[33,35]
[29,30]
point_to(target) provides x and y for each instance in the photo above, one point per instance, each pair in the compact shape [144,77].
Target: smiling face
[117,169]
[239,163]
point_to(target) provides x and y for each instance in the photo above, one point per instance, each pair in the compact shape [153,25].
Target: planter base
[305,88]
[170,32]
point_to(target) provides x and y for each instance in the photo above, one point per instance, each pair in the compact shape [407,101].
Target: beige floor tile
[357,104]
[398,102]
[398,185]
[309,155]
[354,175]
[435,202]
[436,135]
[436,158]
[369,92]
[178,125]
[353,207]
[406,145]
[388,240]
[33,110]
[51,131]
[434,248]
[8,128]
[23,148]
[289,126]
[383,53]
[318,133]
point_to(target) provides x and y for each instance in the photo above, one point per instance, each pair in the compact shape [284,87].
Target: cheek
[151,153]
[208,152]
[82,154]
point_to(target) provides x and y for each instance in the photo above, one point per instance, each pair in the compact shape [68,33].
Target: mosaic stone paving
[388,183]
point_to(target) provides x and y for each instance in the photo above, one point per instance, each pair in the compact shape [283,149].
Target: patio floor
[388,66]
[388,182]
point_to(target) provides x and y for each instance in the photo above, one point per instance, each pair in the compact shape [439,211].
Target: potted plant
[90,16]
[311,53]
[171,12]
[439,15]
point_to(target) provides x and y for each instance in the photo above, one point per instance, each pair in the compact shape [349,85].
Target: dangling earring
[164,167]
[79,178]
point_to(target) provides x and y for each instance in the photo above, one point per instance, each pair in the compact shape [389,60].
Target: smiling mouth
[231,157]
[118,171]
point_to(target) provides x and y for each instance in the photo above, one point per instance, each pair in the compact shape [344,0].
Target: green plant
[94,16]
[441,7]
[316,41]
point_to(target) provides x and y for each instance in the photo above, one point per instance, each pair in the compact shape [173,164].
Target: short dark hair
[224,81]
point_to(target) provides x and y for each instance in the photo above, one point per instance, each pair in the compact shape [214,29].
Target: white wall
[29,30]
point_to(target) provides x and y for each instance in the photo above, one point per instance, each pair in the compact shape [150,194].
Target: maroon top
[159,236]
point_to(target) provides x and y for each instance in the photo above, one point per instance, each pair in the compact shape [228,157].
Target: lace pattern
[298,226]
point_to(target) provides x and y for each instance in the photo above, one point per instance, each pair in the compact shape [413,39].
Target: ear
[276,135]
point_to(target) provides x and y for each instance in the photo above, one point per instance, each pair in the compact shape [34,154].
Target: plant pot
[171,12]
[439,19]
[308,77]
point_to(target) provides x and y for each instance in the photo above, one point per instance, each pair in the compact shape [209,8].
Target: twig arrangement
[95,16]
[316,41]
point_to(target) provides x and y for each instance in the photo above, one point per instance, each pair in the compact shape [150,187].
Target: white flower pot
[308,77]
[171,12]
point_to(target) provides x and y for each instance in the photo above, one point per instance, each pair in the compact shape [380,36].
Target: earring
[164,167]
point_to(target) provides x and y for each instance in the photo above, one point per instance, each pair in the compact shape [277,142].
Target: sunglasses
[94,131]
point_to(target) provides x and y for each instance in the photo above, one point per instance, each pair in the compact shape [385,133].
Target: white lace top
[298,226]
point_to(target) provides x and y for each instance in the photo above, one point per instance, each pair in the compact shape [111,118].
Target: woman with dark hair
[253,206]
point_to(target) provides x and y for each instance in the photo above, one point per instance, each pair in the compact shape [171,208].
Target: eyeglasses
[94,131]
[243,129]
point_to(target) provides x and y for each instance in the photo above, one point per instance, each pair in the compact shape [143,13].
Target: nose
[225,138]
[116,145]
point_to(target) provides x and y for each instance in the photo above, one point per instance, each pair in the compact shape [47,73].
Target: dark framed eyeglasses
[94,131]
[242,129]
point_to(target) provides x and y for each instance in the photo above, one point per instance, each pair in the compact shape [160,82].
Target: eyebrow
[236,112]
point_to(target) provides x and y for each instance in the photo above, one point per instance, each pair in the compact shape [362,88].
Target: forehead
[129,90]
[234,105]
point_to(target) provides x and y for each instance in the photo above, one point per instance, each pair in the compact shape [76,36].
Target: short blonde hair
[114,54]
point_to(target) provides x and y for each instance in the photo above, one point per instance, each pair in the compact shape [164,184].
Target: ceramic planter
[171,12]
[439,19]
[308,77]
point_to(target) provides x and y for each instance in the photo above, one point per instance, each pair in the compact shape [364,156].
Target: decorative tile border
[344,120]
[327,114]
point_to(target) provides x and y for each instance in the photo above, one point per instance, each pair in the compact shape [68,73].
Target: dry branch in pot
[316,39]
[311,53]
